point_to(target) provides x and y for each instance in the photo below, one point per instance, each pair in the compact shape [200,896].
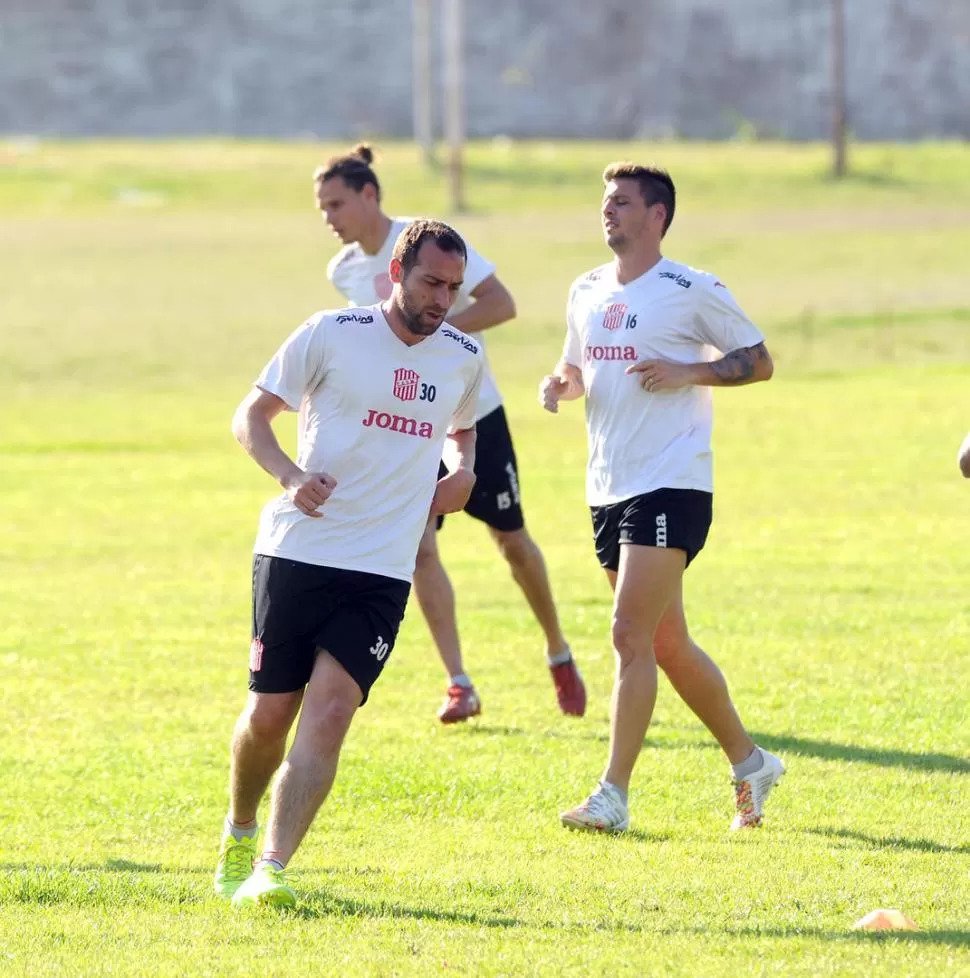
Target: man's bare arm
[493,305]
[252,424]
[564,384]
[459,450]
[454,490]
[747,365]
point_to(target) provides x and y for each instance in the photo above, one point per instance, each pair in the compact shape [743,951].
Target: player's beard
[412,316]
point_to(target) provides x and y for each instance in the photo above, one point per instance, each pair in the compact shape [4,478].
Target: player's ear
[396,271]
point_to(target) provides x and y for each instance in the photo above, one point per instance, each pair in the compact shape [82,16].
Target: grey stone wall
[612,68]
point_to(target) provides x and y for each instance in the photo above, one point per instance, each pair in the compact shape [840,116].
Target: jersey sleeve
[572,350]
[334,272]
[464,416]
[298,365]
[477,269]
[721,322]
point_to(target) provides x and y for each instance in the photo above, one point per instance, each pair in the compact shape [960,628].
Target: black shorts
[300,608]
[677,518]
[495,499]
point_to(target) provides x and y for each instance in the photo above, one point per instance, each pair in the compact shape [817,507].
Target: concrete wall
[609,68]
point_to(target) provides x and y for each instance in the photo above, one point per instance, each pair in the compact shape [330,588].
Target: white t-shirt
[640,441]
[374,413]
[363,279]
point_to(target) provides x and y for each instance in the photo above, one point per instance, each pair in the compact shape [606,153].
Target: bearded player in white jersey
[381,391]
[638,332]
[348,195]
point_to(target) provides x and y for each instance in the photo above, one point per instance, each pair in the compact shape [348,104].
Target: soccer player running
[348,196]
[380,391]
[637,329]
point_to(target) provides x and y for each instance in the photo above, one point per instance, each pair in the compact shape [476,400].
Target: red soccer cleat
[570,690]
[461,703]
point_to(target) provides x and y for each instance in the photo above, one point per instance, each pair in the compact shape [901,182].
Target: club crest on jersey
[615,314]
[405,384]
[255,655]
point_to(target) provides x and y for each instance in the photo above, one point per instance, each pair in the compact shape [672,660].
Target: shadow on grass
[890,841]
[320,904]
[499,730]
[951,938]
[882,757]
[640,836]
[109,865]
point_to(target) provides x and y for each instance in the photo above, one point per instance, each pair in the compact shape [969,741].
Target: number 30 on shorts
[380,649]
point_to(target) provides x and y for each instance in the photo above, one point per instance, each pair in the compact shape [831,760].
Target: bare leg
[647,581]
[529,570]
[699,682]
[437,600]
[306,776]
[258,743]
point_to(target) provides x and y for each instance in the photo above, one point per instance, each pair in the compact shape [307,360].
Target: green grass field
[144,285]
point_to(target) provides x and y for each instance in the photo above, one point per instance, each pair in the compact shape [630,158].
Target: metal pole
[422,78]
[839,110]
[454,102]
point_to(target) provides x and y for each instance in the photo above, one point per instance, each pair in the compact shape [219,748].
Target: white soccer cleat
[751,792]
[603,811]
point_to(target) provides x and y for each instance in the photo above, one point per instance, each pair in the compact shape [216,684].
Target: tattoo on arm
[738,366]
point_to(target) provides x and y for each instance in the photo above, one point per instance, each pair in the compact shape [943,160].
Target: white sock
[749,765]
[275,863]
[237,833]
[461,680]
[617,789]
[561,659]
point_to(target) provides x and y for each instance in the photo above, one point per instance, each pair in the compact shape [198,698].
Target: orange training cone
[885,920]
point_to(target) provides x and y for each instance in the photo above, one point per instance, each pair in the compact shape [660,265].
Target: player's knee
[517,547]
[628,639]
[326,723]
[267,720]
[668,645]
[427,555]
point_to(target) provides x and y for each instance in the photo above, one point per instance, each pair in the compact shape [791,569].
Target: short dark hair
[655,185]
[354,168]
[409,242]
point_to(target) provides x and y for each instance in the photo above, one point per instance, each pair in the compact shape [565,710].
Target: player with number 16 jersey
[639,337]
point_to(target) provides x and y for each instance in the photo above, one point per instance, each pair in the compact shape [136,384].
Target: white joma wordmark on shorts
[662,530]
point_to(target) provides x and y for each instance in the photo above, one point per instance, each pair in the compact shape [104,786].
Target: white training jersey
[374,413]
[363,279]
[640,441]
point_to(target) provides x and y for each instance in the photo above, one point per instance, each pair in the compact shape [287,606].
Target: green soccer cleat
[236,859]
[267,887]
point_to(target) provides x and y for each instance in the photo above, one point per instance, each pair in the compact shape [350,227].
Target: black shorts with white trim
[495,500]
[299,609]
[669,518]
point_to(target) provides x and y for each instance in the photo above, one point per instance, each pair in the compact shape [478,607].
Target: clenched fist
[310,490]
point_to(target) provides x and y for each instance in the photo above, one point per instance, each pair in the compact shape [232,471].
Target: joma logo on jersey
[610,353]
[405,384]
[615,314]
[398,423]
